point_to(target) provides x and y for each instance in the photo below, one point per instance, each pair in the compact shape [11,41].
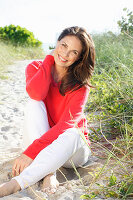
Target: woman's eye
[75,52]
[63,45]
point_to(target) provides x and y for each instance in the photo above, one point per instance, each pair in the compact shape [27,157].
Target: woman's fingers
[17,169]
[23,166]
[14,168]
[20,164]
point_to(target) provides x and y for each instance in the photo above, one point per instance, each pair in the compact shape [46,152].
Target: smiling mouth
[62,59]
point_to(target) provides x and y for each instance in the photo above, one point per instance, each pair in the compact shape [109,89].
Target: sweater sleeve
[73,112]
[38,77]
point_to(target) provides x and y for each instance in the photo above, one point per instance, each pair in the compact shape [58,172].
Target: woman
[55,125]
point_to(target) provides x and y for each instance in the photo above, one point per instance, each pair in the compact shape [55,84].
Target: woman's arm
[38,78]
[73,112]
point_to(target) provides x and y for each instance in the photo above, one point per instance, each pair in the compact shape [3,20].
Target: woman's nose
[66,53]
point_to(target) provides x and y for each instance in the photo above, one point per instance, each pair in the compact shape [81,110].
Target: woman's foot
[50,184]
[9,188]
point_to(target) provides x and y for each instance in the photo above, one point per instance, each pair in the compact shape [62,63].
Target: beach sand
[13,98]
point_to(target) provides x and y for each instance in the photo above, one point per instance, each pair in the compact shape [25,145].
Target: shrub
[126,23]
[18,36]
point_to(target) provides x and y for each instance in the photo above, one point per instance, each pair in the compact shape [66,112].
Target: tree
[126,23]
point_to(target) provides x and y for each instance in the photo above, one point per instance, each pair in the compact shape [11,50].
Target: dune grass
[113,97]
[110,117]
[10,53]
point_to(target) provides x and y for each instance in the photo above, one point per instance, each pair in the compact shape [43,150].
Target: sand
[13,98]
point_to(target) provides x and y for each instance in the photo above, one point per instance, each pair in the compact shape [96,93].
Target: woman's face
[67,51]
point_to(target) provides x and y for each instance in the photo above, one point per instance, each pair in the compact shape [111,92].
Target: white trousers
[68,146]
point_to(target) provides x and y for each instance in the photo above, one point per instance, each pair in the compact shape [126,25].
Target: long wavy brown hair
[80,72]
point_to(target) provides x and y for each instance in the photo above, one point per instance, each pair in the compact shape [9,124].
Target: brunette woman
[55,125]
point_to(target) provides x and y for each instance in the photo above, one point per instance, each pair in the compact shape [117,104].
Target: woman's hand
[20,164]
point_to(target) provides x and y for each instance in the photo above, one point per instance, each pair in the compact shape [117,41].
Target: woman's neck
[58,72]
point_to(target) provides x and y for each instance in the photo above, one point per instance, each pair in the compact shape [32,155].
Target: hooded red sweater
[63,111]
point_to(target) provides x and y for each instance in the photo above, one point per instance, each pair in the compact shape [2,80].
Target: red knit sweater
[63,111]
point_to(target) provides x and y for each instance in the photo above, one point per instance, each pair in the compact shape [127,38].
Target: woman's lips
[62,59]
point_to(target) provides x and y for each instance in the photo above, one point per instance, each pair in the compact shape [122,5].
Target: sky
[47,18]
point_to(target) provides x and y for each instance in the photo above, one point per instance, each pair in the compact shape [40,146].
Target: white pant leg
[53,157]
[68,145]
[35,121]
[80,157]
